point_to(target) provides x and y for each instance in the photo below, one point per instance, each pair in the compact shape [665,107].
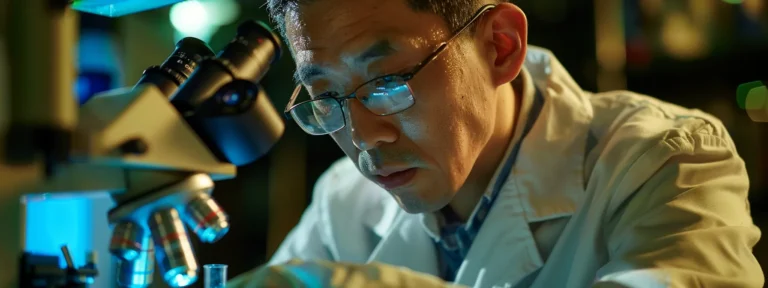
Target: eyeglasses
[383,96]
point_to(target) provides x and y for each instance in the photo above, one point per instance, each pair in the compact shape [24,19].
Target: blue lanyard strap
[457,238]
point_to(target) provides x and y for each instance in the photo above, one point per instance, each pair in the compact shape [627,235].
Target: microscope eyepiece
[247,53]
[189,53]
[223,102]
[247,57]
[260,31]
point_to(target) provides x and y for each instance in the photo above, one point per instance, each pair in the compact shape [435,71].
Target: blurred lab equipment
[155,148]
[215,275]
[45,271]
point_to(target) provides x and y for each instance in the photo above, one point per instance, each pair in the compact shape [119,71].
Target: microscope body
[133,145]
[155,148]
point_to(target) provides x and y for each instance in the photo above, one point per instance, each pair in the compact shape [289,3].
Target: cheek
[444,122]
[344,139]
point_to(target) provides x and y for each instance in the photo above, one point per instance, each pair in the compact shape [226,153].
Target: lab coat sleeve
[336,274]
[308,240]
[688,224]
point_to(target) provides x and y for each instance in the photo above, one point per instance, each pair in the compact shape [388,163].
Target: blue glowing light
[89,84]
[181,279]
[52,223]
[117,8]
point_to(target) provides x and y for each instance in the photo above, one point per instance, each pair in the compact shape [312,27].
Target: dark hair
[454,12]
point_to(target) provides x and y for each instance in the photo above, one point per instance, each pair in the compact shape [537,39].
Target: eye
[383,81]
[323,107]
[329,94]
[387,82]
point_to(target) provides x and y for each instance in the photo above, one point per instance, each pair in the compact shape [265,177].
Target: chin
[412,202]
[415,209]
[411,209]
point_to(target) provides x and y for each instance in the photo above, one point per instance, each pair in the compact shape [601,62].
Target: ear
[504,35]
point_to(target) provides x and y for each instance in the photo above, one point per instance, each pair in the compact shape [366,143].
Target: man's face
[422,155]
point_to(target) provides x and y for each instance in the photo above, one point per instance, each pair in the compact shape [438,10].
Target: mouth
[392,179]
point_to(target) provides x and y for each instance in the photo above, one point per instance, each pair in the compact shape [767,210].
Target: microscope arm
[130,141]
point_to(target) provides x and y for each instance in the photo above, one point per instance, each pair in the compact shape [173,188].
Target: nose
[369,130]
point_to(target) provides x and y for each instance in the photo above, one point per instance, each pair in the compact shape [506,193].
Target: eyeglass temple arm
[443,45]
[296,92]
[429,59]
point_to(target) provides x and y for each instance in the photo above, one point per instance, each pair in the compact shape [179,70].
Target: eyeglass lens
[383,96]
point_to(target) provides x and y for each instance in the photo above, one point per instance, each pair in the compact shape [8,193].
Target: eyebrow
[380,49]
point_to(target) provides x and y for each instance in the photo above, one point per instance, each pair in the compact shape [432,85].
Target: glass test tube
[215,275]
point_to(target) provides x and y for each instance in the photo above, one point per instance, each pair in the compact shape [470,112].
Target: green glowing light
[202,18]
[743,90]
[189,17]
[757,104]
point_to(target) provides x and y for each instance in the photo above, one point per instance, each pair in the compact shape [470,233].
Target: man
[476,160]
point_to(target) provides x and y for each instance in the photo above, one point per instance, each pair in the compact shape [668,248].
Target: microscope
[156,148]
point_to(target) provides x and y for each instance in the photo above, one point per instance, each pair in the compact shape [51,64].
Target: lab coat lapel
[545,183]
[407,244]
[504,251]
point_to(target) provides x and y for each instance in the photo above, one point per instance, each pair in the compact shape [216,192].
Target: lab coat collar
[549,173]
[546,182]
[406,245]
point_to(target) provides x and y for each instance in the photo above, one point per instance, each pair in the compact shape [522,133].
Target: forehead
[324,32]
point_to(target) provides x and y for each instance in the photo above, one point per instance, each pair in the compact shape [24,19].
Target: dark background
[694,53]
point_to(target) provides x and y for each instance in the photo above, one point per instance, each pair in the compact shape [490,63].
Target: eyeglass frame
[407,76]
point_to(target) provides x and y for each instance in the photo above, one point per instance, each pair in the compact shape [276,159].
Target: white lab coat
[615,188]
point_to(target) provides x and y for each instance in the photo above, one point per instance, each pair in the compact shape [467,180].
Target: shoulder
[630,124]
[649,116]
[633,136]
